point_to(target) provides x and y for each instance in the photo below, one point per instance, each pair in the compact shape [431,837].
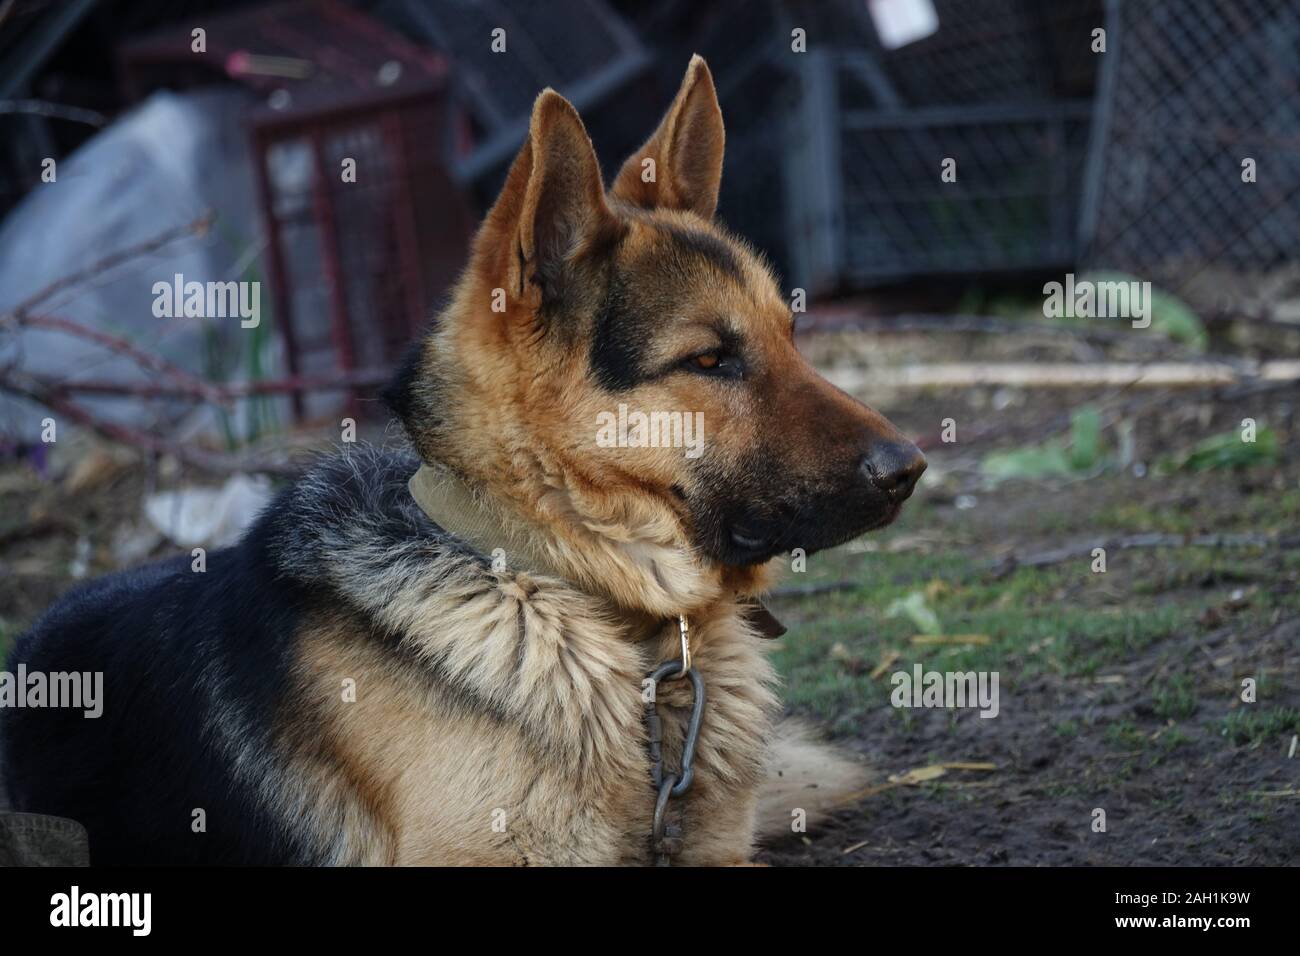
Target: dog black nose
[894,467]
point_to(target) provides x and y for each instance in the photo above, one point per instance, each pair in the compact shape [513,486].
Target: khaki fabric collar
[453,506]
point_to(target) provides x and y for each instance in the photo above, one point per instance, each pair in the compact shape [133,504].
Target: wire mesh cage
[1014,204]
[834,154]
[999,51]
[754,91]
[1199,98]
[884,210]
[751,201]
[1002,89]
[505,51]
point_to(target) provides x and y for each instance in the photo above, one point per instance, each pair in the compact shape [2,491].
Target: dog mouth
[745,548]
[894,509]
[748,544]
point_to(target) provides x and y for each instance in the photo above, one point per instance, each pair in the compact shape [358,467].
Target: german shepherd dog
[444,660]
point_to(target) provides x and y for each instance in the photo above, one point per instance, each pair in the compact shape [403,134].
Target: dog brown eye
[718,363]
[709,360]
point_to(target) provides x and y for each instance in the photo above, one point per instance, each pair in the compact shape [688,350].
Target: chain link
[665,837]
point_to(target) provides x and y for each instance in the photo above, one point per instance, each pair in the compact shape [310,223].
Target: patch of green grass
[1066,728]
[1060,619]
[1172,569]
[1125,734]
[837,639]
[1261,510]
[1268,509]
[1225,451]
[1254,724]
[1134,518]
[1175,698]
[1068,791]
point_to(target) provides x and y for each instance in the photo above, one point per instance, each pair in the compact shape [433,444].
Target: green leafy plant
[1083,453]
[1256,726]
[1226,451]
[1170,316]
[915,609]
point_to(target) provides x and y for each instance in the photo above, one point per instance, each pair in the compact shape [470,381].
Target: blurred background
[922,170]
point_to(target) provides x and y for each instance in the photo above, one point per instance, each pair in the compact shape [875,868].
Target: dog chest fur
[497,715]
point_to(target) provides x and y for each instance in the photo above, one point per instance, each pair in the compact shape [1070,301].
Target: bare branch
[141,440]
[73,114]
[185,382]
[197,227]
[226,392]
[1005,566]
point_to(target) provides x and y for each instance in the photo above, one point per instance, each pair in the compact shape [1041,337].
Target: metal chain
[666,838]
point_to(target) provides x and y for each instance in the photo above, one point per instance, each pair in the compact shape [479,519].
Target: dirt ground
[1119,691]
[1063,746]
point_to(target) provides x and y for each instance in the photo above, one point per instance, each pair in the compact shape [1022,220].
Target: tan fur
[686,151]
[805,775]
[560,757]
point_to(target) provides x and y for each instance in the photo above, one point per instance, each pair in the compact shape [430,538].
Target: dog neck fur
[548,516]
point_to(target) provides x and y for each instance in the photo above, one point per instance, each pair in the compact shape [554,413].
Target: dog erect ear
[686,152]
[552,206]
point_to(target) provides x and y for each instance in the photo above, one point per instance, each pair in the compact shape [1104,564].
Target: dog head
[624,345]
